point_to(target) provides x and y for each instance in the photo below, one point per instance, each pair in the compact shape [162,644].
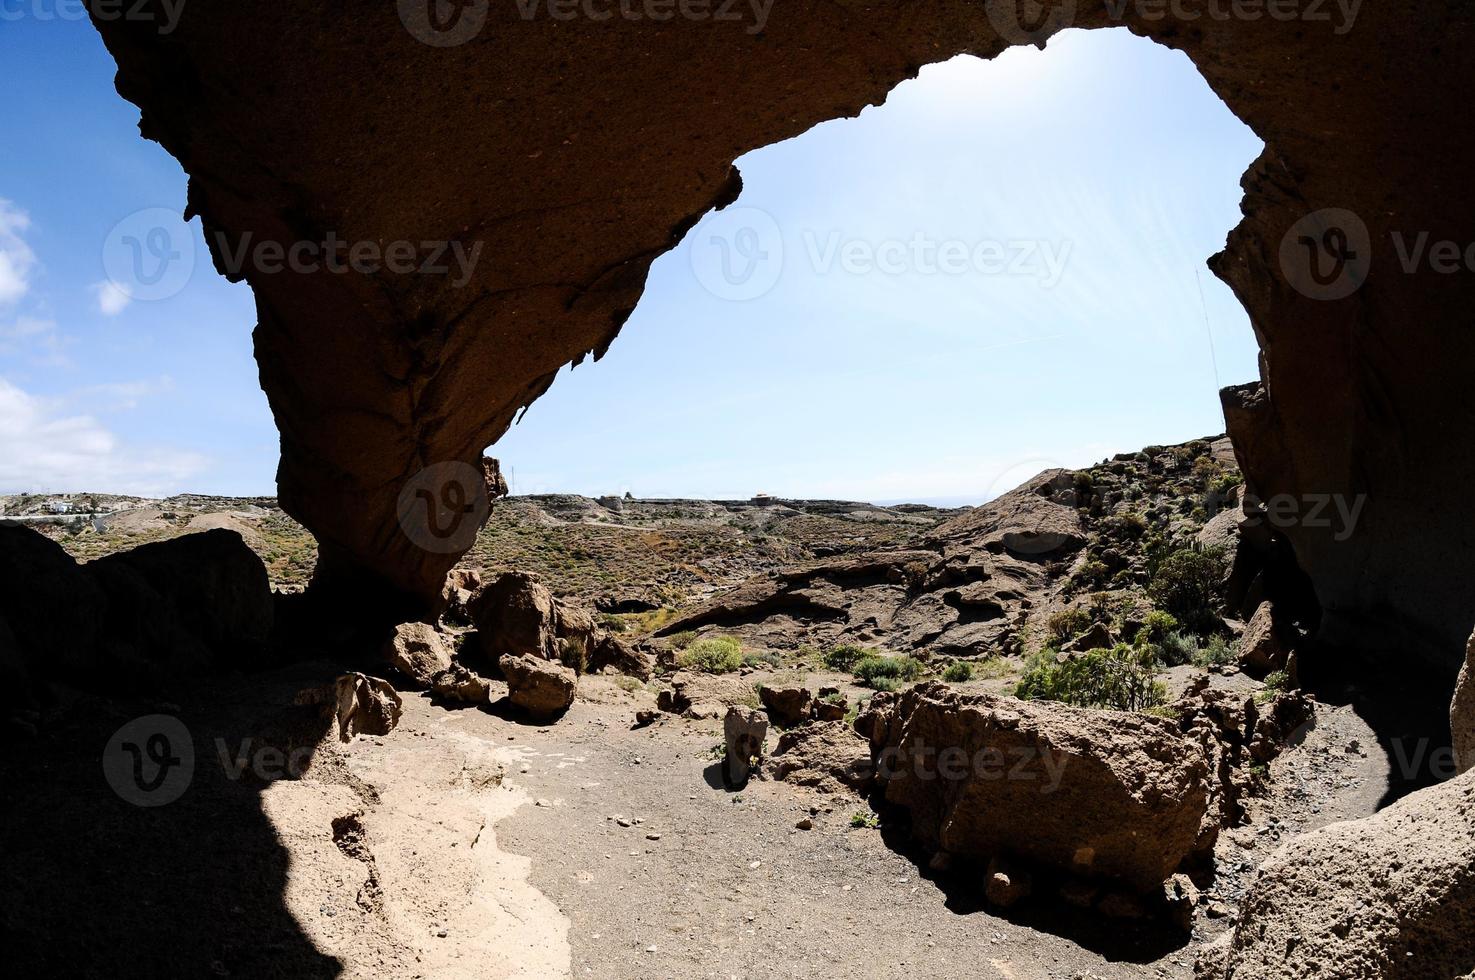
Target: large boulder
[611,652]
[743,732]
[1110,795]
[542,688]
[1264,646]
[786,705]
[1389,897]
[188,605]
[1462,712]
[54,608]
[827,755]
[357,703]
[515,616]
[459,683]
[418,651]
[216,586]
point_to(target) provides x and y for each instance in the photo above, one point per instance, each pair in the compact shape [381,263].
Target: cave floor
[468,843]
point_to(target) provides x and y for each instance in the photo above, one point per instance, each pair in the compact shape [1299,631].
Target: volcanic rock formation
[493,137]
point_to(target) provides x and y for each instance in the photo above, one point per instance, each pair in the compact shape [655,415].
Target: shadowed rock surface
[1106,795]
[1385,898]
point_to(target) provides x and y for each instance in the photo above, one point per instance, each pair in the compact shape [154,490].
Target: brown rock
[1106,794]
[827,755]
[1262,646]
[458,683]
[1389,897]
[830,710]
[542,688]
[1006,884]
[1462,712]
[611,651]
[744,731]
[1180,895]
[358,703]
[216,586]
[418,651]
[1098,637]
[514,616]
[786,706]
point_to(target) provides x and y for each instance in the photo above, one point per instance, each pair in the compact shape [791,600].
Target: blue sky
[999,270]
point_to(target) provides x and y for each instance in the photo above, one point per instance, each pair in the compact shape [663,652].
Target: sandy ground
[467,843]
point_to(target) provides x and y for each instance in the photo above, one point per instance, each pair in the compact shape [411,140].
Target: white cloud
[38,338]
[16,258]
[46,445]
[111,299]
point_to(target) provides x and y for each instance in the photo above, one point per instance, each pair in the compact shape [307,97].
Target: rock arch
[578,150]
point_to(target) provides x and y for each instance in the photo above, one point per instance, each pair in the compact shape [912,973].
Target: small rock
[652,836]
[805,824]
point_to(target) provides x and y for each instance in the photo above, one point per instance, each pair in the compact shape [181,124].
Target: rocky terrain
[1064,733]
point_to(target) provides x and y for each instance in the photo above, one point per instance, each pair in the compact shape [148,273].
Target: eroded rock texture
[1388,897]
[574,152]
[1110,795]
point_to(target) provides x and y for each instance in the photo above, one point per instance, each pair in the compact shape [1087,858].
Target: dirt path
[468,844]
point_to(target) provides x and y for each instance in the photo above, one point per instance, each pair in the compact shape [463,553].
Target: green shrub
[1276,682]
[713,655]
[768,659]
[1068,623]
[1176,648]
[628,684]
[1156,627]
[1091,574]
[1121,678]
[958,672]
[682,640]
[862,819]
[1215,653]
[874,667]
[845,656]
[1186,583]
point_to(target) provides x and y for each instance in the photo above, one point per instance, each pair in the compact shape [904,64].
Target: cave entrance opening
[998,270]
